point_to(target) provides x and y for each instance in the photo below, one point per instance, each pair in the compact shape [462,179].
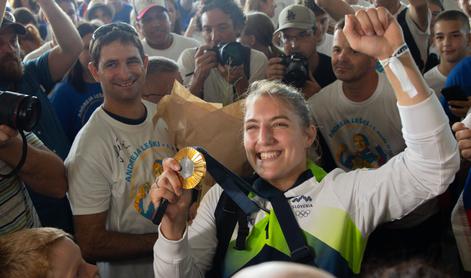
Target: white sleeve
[192,255]
[89,189]
[422,171]
[258,66]
[186,64]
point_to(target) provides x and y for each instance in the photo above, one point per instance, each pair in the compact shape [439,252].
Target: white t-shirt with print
[110,168]
[359,134]
[179,44]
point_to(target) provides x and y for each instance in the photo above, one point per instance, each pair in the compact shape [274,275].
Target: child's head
[161,74]
[452,35]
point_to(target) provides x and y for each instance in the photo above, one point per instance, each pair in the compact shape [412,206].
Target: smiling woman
[301,213]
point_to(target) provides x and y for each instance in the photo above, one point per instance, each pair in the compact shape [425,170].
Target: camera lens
[19,111]
[297,71]
[232,54]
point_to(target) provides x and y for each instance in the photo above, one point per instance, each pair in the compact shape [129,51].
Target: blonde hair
[25,253]
[285,93]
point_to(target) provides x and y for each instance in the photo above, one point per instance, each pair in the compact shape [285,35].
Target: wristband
[398,69]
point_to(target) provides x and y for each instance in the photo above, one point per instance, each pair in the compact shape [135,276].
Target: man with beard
[35,78]
[115,158]
[358,109]
[154,24]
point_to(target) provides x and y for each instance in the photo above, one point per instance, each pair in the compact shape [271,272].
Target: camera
[232,53]
[297,70]
[19,111]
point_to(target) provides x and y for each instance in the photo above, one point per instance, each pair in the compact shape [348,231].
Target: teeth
[269,155]
[126,84]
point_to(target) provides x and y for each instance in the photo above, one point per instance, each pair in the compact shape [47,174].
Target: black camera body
[19,111]
[297,70]
[232,53]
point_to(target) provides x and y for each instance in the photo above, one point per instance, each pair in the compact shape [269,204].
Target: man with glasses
[297,33]
[115,158]
[154,24]
[222,22]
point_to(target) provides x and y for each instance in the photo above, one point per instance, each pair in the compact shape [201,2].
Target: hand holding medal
[192,171]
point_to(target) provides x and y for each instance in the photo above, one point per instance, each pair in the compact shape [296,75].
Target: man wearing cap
[298,34]
[154,24]
[222,21]
[115,158]
[36,77]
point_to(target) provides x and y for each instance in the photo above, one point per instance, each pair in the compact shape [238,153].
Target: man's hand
[6,134]
[374,32]
[275,70]
[463,135]
[460,108]
[205,60]
[311,87]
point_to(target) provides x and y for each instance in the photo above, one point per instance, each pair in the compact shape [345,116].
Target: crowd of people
[356,125]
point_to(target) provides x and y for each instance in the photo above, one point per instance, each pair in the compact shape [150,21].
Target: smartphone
[454,93]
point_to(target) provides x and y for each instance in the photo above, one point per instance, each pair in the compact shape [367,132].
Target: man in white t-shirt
[115,158]
[452,39]
[202,69]
[357,114]
[358,118]
[154,24]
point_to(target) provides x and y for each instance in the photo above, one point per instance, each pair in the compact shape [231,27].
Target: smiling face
[155,27]
[451,40]
[275,141]
[121,72]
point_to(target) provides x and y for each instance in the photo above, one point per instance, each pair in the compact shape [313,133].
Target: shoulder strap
[409,38]
[247,62]
[226,216]
[294,236]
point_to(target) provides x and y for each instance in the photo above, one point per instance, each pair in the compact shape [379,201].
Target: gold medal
[193,167]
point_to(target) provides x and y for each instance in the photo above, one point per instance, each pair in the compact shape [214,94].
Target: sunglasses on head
[118,26]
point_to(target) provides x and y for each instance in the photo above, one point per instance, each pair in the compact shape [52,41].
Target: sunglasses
[118,26]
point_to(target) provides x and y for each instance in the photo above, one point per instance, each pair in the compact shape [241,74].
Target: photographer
[35,78]
[42,171]
[207,78]
[298,35]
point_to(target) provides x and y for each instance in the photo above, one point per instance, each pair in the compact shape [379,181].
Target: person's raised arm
[3,4]
[376,32]
[43,171]
[337,9]
[418,11]
[64,55]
